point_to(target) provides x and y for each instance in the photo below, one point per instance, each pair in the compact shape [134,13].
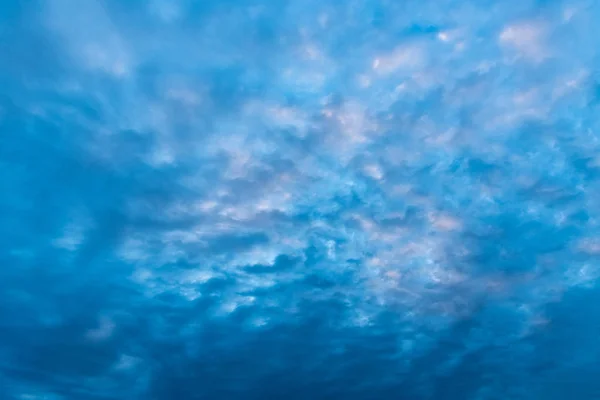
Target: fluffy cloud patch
[241,199]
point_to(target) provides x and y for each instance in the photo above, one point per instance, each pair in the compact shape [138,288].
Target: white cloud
[404,58]
[528,38]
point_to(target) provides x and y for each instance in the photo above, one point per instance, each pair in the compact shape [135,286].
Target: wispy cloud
[241,199]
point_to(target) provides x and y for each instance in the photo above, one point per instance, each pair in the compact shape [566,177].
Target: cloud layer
[302,199]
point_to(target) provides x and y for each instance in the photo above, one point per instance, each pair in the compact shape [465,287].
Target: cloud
[527,38]
[228,199]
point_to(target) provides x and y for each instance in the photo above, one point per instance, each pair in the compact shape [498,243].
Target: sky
[299,199]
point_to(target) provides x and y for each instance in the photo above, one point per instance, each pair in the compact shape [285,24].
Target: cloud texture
[299,199]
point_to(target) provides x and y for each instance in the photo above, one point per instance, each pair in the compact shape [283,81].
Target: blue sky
[245,199]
